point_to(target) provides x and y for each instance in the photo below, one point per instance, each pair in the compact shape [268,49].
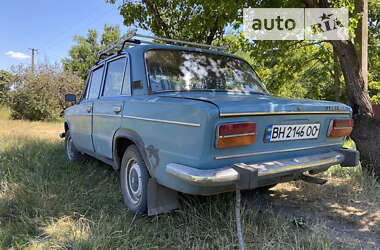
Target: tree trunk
[361,36]
[337,74]
[366,133]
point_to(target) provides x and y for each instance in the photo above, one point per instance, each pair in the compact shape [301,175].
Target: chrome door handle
[89,108]
[116,109]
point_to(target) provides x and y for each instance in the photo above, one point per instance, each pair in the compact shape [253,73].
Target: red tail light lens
[340,127]
[236,134]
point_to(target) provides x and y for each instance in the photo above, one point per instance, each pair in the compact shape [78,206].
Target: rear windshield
[178,70]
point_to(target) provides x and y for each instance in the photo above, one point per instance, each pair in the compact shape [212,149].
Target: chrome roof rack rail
[128,39]
[117,43]
[182,42]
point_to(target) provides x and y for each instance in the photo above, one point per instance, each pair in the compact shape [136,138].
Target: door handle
[116,109]
[89,108]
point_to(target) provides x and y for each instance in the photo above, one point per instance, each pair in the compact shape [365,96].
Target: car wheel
[72,153]
[134,180]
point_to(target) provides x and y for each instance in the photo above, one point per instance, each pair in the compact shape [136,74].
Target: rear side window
[114,77]
[86,89]
[96,81]
[126,85]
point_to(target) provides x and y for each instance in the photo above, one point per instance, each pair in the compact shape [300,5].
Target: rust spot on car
[153,156]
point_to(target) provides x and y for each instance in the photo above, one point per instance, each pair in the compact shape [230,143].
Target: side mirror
[70,98]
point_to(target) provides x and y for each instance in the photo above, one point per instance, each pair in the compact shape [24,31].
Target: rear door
[108,108]
[82,124]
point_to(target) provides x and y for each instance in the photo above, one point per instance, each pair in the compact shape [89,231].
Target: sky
[49,26]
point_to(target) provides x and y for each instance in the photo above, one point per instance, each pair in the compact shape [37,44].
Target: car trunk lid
[232,104]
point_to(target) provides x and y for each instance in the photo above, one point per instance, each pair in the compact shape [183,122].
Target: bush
[40,95]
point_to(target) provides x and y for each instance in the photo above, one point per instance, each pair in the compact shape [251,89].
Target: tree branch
[156,16]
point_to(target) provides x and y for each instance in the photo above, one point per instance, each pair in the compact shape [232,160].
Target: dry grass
[46,202]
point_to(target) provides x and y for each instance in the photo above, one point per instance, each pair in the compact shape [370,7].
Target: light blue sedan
[198,121]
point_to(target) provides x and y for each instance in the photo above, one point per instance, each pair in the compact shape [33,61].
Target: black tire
[72,153]
[134,179]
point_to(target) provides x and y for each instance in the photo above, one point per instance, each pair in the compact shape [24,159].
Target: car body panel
[80,119]
[106,121]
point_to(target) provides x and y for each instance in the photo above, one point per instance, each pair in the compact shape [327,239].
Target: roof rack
[126,39]
[115,45]
[182,42]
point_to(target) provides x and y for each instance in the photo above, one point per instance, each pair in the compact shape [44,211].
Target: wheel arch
[121,140]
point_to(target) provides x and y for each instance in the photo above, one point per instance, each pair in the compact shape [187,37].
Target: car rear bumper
[250,176]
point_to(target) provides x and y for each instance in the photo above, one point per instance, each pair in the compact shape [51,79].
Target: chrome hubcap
[134,181]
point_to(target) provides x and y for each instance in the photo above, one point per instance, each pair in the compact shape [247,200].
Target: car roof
[141,48]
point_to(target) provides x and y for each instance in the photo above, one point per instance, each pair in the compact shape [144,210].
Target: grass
[46,202]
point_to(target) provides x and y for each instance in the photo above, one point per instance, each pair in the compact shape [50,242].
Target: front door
[82,124]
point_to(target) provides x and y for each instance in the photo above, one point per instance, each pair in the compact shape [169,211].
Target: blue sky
[49,26]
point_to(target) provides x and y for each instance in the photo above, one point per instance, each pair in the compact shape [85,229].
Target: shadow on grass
[350,208]
[48,202]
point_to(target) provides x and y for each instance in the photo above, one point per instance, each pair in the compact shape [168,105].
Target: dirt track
[304,215]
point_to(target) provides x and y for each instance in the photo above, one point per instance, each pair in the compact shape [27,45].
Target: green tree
[293,69]
[40,95]
[83,54]
[374,51]
[6,79]
[190,20]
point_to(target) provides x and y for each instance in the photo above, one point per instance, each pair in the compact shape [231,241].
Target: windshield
[178,70]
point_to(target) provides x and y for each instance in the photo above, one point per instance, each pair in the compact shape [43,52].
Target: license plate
[283,132]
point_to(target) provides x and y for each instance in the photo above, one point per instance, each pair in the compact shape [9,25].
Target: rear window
[177,70]
[96,81]
[114,77]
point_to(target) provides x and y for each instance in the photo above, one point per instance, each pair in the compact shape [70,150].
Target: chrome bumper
[248,176]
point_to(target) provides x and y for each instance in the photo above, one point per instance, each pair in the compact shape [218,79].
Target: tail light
[236,134]
[340,127]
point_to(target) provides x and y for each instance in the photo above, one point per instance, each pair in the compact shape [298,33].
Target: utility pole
[33,53]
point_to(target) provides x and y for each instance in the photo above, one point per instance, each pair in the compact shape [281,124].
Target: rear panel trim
[283,113]
[275,151]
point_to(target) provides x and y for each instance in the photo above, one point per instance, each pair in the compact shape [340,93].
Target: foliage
[179,19]
[374,51]
[83,55]
[293,69]
[6,79]
[40,96]
[302,69]
[287,69]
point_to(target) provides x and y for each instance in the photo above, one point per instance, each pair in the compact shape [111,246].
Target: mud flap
[351,157]
[161,199]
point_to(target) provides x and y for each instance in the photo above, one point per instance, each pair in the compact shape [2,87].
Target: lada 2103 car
[197,121]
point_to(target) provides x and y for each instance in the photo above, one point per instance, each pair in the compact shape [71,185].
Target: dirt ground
[347,221]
